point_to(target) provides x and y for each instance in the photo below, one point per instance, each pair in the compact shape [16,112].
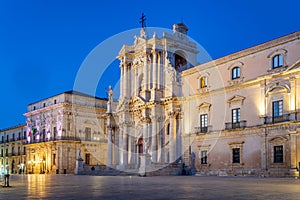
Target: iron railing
[235,125]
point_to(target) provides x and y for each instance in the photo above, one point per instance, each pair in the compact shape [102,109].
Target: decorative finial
[143,20]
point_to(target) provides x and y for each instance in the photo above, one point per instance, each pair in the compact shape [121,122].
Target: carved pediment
[204,105]
[236,98]
[278,85]
[278,139]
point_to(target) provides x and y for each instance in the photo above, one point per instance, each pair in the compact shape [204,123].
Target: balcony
[201,130]
[236,125]
[277,119]
[68,138]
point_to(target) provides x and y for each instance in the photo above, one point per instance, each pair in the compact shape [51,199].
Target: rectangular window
[19,150]
[87,158]
[24,150]
[277,108]
[236,115]
[204,157]
[236,155]
[54,132]
[69,126]
[54,159]
[88,134]
[203,82]
[203,122]
[19,136]
[278,154]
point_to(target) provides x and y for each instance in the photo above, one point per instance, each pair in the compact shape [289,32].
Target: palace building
[236,115]
[58,126]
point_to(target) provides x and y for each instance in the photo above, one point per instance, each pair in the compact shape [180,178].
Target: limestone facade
[245,118]
[58,126]
[13,150]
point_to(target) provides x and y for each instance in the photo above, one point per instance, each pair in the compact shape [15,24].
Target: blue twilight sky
[43,43]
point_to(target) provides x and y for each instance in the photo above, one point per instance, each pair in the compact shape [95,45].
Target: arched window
[277,61]
[235,73]
[203,82]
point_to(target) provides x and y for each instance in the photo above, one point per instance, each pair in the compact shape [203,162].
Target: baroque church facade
[236,115]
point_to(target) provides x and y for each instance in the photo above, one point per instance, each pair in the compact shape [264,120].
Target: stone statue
[78,154]
[171,71]
[110,94]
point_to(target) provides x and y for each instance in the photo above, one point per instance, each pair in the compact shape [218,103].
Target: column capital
[146,120]
[172,114]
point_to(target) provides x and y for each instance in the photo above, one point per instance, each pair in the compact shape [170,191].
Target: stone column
[136,81]
[121,146]
[125,88]
[133,85]
[125,146]
[179,137]
[292,96]
[172,137]
[121,79]
[154,140]
[154,67]
[146,135]
[293,136]
[146,80]
[116,147]
[159,70]
[161,142]
[109,144]
[130,147]
[264,151]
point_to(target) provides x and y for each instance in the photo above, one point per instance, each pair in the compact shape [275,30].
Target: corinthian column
[146,80]
[154,73]
[172,138]
[154,140]
[125,145]
[146,134]
[125,80]
[109,144]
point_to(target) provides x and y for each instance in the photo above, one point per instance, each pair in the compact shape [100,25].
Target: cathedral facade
[236,115]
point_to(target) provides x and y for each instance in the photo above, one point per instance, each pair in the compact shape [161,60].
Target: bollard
[6,180]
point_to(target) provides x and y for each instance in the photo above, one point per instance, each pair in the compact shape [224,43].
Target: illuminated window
[203,123]
[277,61]
[203,82]
[277,108]
[204,157]
[278,154]
[236,115]
[236,73]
